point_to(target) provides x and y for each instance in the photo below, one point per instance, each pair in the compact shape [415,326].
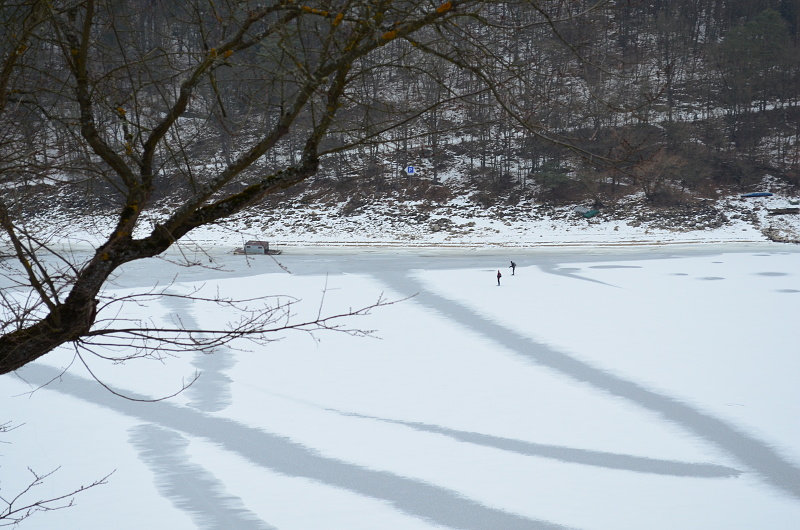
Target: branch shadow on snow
[415,498]
[188,485]
[570,455]
[751,452]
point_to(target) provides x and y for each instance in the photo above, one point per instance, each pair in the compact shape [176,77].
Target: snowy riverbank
[461,225]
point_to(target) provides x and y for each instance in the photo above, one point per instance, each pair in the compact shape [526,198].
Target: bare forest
[169,115]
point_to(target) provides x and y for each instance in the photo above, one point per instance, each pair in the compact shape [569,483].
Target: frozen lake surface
[645,387]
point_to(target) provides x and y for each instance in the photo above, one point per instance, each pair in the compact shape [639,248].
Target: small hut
[255,246]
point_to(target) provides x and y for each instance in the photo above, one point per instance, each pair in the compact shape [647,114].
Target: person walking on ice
[498,277]
[513,267]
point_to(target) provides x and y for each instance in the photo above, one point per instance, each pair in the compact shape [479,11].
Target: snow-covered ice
[648,387]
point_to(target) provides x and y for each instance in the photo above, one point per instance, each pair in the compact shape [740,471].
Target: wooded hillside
[555,100]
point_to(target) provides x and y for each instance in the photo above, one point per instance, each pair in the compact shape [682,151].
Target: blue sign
[410,170]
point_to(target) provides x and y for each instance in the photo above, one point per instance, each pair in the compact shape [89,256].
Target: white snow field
[637,388]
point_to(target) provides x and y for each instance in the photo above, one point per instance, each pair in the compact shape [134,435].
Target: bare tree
[210,107]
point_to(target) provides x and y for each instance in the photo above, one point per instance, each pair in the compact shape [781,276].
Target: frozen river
[637,387]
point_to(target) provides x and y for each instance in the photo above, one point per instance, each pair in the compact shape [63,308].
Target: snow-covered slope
[460,223]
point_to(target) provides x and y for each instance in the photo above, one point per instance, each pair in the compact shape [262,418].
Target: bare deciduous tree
[210,107]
